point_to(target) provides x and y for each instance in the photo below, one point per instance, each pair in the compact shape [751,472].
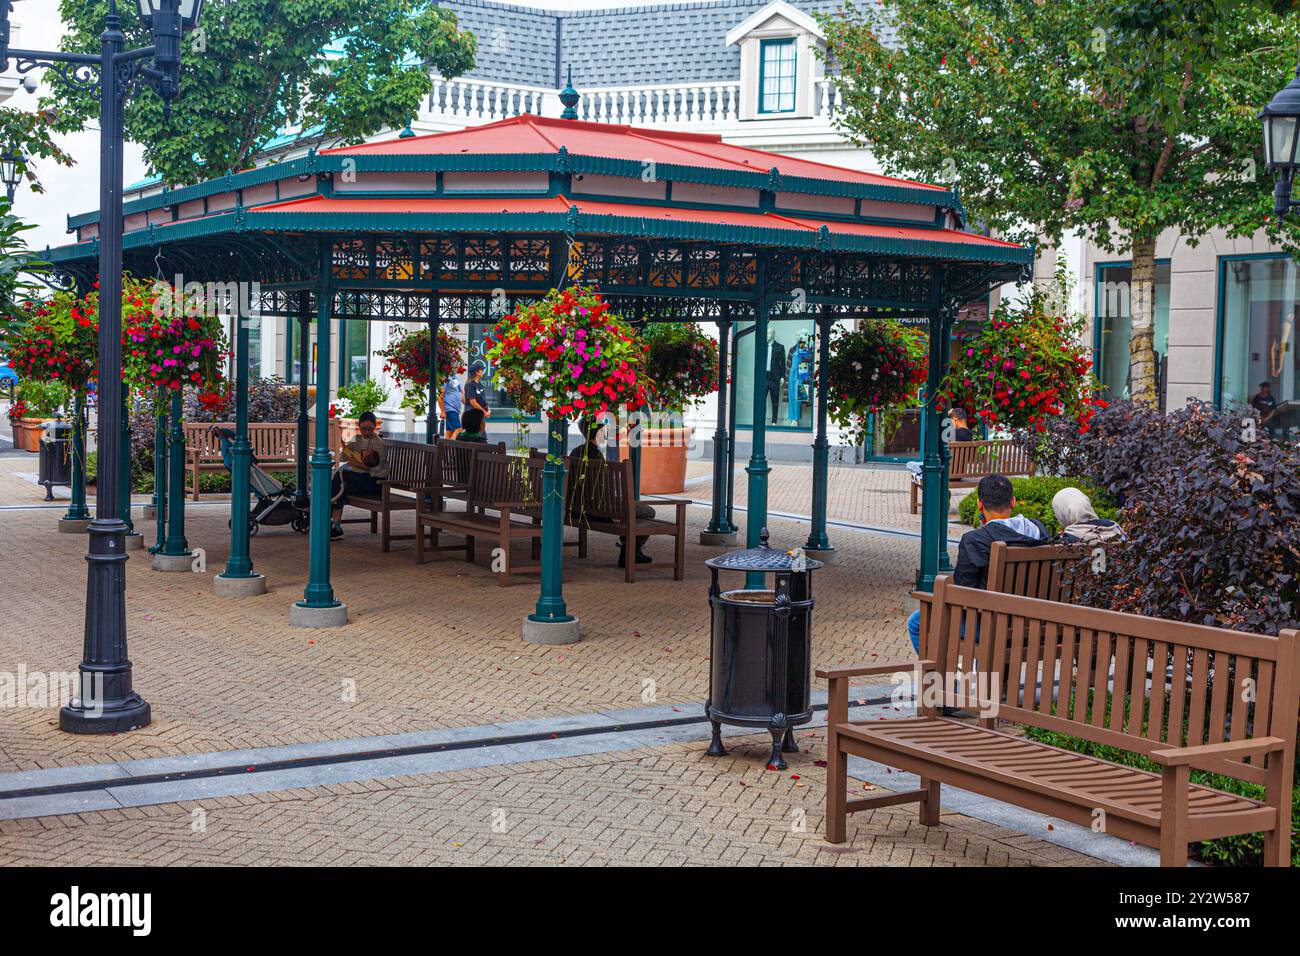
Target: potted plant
[34,404]
[682,362]
[352,401]
[873,371]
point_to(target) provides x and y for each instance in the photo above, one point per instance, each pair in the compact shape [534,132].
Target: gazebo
[453,227]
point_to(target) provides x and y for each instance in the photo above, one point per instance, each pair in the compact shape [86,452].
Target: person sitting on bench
[961,431]
[472,426]
[1079,522]
[594,432]
[364,466]
[996,502]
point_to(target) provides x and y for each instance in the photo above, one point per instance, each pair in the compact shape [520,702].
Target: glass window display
[788,384]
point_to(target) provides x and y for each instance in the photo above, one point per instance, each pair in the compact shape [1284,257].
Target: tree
[1122,120]
[339,70]
[28,135]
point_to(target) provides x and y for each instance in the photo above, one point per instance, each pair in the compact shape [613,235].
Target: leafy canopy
[1122,119]
[340,70]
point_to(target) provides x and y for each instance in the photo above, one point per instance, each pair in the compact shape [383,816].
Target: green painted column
[817,539]
[124,465]
[175,544]
[757,469]
[550,603]
[945,562]
[731,431]
[431,419]
[160,471]
[77,510]
[718,523]
[304,356]
[319,593]
[933,503]
[240,562]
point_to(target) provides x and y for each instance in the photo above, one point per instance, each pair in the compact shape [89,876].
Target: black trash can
[761,650]
[55,458]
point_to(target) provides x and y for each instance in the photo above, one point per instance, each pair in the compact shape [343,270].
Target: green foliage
[682,362]
[363,396]
[1034,500]
[341,70]
[16,262]
[43,399]
[27,133]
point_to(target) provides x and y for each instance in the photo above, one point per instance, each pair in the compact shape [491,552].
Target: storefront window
[1114,324]
[292,364]
[1257,331]
[497,398]
[254,348]
[358,351]
[789,390]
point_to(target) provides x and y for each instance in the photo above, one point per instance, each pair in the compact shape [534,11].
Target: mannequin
[797,385]
[775,372]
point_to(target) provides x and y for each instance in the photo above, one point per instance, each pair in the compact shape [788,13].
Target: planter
[28,432]
[663,459]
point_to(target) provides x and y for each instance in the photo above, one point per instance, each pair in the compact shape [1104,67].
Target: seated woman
[594,440]
[364,466]
[1079,522]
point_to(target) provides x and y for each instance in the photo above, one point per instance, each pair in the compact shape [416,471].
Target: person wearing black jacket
[996,502]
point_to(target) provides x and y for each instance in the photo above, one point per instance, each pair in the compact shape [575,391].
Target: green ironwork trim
[561,161]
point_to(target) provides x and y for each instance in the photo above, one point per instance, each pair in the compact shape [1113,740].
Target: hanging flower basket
[169,342]
[406,359]
[682,362]
[567,355]
[874,370]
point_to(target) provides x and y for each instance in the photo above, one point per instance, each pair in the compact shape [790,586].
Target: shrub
[43,399]
[363,396]
[269,400]
[1034,500]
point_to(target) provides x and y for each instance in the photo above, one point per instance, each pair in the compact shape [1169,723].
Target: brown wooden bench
[274,446]
[451,472]
[969,461]
[411,470]
[508,485]
[599,498]
[1176,693]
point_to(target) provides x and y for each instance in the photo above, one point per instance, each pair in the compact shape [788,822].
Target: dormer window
[777,75]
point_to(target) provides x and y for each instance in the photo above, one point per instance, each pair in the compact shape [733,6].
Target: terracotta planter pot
[663,459]
[27,433]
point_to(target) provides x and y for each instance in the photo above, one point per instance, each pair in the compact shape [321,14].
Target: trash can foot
[787,742]
[715,745]
[776,761]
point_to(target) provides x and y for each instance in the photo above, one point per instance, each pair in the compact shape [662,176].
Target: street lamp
[12,164]
[1280,122]
[106,702]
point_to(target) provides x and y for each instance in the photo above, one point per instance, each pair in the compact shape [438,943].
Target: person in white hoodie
[1079,522]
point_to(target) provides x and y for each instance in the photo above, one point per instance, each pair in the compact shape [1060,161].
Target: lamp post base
[250,586]
[73,525]
[719,539]
[300,615]
[551,632]
[130,713]
[173,562]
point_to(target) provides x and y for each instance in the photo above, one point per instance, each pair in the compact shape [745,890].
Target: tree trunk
[1141,346]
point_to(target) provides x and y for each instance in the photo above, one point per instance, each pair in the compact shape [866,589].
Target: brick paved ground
[667,806]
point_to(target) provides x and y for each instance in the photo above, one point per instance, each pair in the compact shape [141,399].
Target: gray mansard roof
[663,43]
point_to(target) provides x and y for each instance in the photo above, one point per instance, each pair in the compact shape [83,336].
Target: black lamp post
[1281,118]
[11,171]
[106,702]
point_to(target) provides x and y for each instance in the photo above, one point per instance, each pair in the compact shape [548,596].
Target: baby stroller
[277,503]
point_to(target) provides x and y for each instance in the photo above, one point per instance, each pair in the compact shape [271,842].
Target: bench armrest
[893,667]
[662,501]
[1209,753]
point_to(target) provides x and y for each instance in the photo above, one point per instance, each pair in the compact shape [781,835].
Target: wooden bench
[508,485]
[274,446]
[969,461]
[599,498]
[1175,693]
[451,471]
[411,470]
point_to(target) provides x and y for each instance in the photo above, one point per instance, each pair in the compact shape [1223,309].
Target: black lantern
[1281,117]
[169,19]
[187,10]
[761,659]
[11,170]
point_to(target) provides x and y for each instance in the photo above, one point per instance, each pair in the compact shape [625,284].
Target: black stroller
[277,503]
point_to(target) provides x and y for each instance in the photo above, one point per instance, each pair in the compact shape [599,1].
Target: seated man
[961,431]
[364,466]
[996,502]
[473,427]
[593,434]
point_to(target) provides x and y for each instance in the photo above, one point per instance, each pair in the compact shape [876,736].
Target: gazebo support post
[551,622]
[933,500]
[239,579]
[757,469]
[431,419]
[133,539]
[720,530]
[304,356]
[319,607]
[160,470]
[175,554]
[945,562]
[731,429]
[818,545]
[78,517]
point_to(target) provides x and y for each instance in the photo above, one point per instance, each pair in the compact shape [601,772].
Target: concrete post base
[825,557]
[73,525]
[173,562]
[300,616]
[134,541]
[551,632]
[724,539]
[250,586]
[150,513]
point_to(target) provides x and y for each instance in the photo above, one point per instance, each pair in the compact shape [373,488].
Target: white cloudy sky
[70,191]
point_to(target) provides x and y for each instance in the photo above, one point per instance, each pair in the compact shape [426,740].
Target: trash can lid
[763,558]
